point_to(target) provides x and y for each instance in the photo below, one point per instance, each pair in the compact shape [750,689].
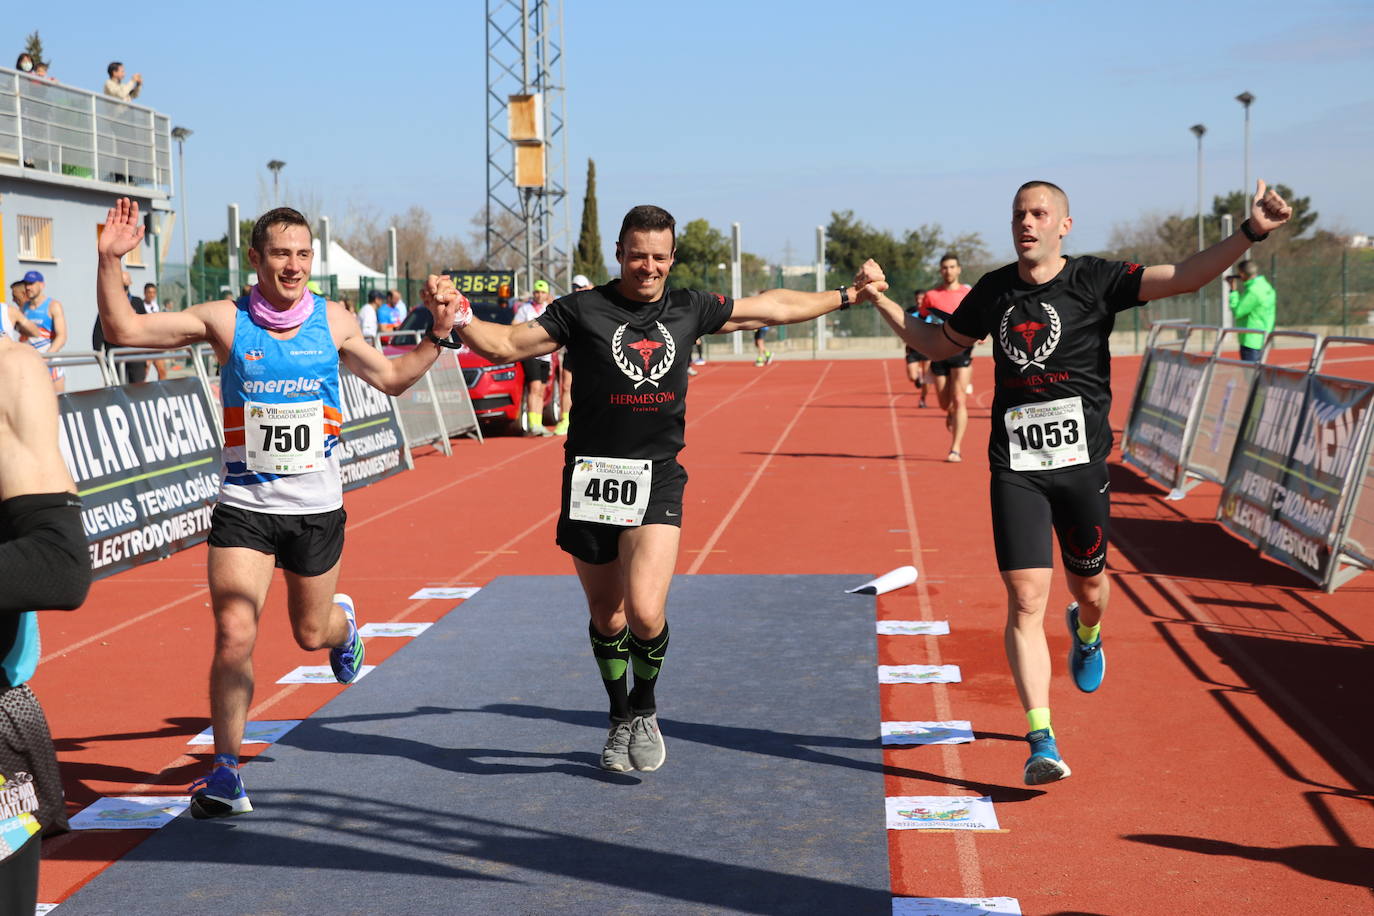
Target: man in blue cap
[46,312]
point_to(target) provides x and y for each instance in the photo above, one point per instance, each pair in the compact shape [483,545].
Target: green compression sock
[1039,718]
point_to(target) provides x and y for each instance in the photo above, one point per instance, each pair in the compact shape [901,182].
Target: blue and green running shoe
[347,660]
[220,794]
[1045,764]
[1087,661]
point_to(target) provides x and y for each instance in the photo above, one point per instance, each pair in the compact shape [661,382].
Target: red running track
[1225,766]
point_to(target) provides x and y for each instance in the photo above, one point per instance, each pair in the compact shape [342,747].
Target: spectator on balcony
[40,70]
[118,88]
[24,63]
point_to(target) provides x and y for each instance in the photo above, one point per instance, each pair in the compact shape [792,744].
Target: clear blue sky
[770,114]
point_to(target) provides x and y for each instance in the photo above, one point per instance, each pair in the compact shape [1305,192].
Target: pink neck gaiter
[265,315]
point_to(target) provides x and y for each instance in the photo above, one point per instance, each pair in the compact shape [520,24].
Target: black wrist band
[441,341]
[1249,232]
[844,297]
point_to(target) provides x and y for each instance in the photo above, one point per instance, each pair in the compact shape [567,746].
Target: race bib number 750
[612,491]
[284,438]
[1046,435]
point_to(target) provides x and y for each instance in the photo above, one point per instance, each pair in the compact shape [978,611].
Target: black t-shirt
[629,399]
[1051,341]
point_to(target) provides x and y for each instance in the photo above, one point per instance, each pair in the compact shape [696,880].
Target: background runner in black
[633,338]
[1050,316]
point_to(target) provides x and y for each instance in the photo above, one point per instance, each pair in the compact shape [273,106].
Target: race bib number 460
[612,491]
[1047,435]
[284,438]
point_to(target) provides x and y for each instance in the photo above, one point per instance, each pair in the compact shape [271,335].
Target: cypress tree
[587,258]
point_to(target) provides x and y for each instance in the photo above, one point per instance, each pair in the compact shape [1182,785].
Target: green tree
[215,255]
[588,258]
[701,249]
[33,46]
[909,261]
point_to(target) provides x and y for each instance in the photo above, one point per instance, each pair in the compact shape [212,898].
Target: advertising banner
[146,463]
[1166,406]
[1285,491]
[371,447]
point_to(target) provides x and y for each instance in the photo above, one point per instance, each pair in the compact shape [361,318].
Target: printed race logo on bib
[284,438]
[1046,435]
[612,491]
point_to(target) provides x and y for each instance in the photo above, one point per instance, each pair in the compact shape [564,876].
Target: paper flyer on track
[368,630]
[130,812]
[918,674]
[940,812]
[446,594]
[951,732]
[913,627]
[44,909]
[320,674]
[265,732]
[956,906]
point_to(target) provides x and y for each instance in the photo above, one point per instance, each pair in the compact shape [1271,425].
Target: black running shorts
[28,762]
[916,356]
[1076,501]
[536,369]
[960,360]
[597,543]
[307,545]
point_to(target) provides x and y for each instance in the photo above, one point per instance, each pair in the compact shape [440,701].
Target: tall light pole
[179,134]
[1198,130]
[1245,99]
[276,165]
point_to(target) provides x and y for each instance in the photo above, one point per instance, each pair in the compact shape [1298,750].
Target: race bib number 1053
[612,491]
[1046,435]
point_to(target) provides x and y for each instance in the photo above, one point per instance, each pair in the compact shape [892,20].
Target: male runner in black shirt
[1050,434]
[622,486]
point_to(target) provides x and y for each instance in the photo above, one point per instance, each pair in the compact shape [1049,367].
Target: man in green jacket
[1252,305]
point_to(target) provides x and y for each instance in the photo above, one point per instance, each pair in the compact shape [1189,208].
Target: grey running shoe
[615,756]
[646,743]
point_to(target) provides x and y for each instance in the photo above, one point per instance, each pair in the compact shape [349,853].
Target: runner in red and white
[953,375]
[1052,316]
[622,505]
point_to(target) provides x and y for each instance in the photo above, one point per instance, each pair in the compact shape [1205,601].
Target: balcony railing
[51,127]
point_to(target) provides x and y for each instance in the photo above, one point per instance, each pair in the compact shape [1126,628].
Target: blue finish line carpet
[462,775]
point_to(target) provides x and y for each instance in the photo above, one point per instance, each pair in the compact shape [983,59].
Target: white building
[66,154]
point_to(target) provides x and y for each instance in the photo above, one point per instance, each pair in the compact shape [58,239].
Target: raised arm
[123,326]
[935,341]
[1268,211]
[397,373]
[790,306]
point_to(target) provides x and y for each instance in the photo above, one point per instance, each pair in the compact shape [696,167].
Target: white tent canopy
[343,265]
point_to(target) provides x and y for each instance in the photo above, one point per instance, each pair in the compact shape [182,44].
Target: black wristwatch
[1250,233]
[844,297]
[442,341]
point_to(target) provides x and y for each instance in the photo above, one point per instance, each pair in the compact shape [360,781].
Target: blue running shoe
[347,660]
[1087,661]
[219,794]
[1045,764]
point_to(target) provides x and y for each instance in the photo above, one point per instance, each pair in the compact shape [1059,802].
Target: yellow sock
[1089,634]
[535,419]
[1039,718]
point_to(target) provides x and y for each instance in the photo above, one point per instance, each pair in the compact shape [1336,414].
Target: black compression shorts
[960,360]
[307,545]
[916,356]
[1074,501]
[536,369]
[44,561]
[597,543]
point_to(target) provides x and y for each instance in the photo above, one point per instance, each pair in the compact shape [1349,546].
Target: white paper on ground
[447,594]
[320,674]
[393,629]
[952,732]
[940,812]
[918,674]
[44,909]
[913,627]
[956,906]
[900,577]
[130,812]
[265,732]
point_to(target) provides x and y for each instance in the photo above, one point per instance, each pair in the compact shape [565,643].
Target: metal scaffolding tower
[527,226]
